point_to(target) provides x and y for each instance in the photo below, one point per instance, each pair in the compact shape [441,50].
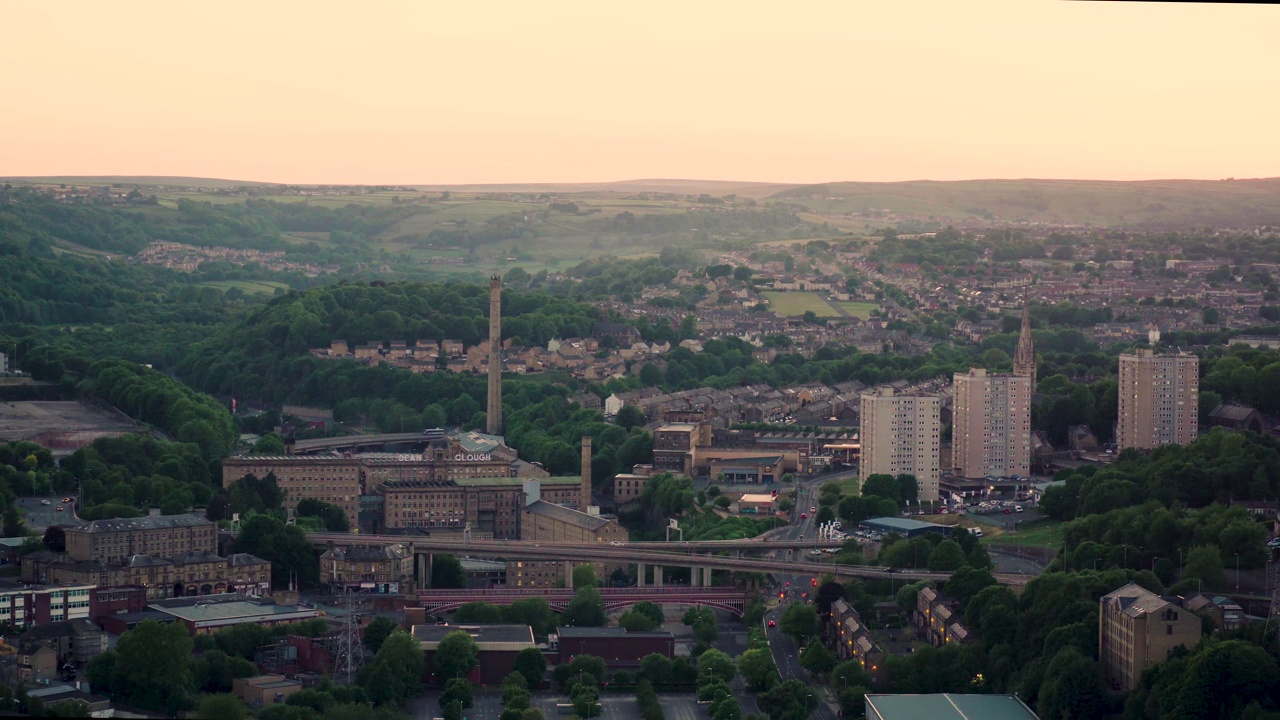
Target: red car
[804,516]
[1007,511]
[773,623]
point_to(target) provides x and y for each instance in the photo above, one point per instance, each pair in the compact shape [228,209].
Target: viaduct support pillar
[424,563]
[568,574]
[657,576]
[641,571]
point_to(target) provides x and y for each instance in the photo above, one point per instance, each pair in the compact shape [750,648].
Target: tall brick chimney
[494,410]
[586,474]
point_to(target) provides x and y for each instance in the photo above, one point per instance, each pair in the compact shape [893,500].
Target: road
[786,655]
[38,516]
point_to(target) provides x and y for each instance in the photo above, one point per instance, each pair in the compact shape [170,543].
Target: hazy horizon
[580,93]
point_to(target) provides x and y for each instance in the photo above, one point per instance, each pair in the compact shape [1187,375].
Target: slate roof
[566,515]
[158,522]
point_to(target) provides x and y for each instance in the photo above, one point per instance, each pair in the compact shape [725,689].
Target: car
[1007,511]
[58,509]
[616,543]
[813,509]
[1017,508]
[803,516]
[1274,542]
[815,552]
[45,502]
[773,623]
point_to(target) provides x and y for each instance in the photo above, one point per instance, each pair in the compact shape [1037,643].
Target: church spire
[1024,358]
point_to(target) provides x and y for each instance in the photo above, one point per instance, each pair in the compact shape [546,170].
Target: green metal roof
[946,706]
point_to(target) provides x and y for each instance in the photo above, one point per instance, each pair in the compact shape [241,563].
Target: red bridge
[734,601]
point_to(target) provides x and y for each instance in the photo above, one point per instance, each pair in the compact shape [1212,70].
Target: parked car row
[994,506]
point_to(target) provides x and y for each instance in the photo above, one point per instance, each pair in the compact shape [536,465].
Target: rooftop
[1135,600]
[488,637]
[516,481]
[156,522]
[594,632]
[566,515]
[229,609]
[902,524]
[946,706]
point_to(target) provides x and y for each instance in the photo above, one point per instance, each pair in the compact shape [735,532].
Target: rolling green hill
[1144,204]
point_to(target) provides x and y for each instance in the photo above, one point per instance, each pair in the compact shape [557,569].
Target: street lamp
[1237,572]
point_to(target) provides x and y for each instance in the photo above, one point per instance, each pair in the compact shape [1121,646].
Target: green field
[1047,533]
[251,287]
[792,304]
[859,309]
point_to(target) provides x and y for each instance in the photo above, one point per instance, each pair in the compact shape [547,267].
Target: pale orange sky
[559,91]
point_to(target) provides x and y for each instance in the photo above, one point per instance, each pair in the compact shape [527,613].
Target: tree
[332,517]
[1211,315]
[757,668]
[285,546]
[376,632]
[946,556]
[459,690]
[1072,688]
[534,612]
[215,670]
[584,576]
[586,609]
[531,665]
[848,674]
[714,665]
[588,669]
[824,515]
[656,669]
[455,656]
[816,658]
[397,670]
[221,707]
[634,621]
[447,573]
[270,444]
[631,416]
[908,488]
[788,700]
[152,667]
[1205,564]
[881,485]
[966,582]
[853,700]
[800,620]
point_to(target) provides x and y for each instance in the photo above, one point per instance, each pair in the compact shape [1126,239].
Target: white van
[976,532]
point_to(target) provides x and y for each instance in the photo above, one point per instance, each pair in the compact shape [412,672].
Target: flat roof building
[206,614]
[618,646]
[947,706]
[903,526]
[497,645]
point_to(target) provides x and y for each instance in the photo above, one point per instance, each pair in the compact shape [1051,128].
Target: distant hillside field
[1144,204]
